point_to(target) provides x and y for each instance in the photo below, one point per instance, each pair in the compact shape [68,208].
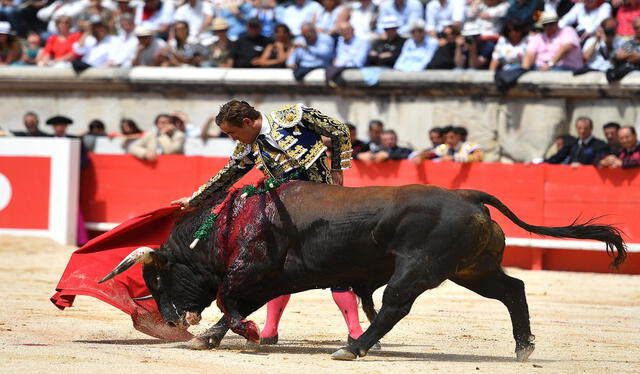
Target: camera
[610,31]
[469,39]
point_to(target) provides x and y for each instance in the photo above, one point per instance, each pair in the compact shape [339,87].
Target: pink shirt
[625,16]
[546,48]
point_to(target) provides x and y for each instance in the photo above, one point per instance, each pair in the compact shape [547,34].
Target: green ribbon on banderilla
[247,191]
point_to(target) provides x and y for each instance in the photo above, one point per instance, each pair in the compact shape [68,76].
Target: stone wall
[517,125]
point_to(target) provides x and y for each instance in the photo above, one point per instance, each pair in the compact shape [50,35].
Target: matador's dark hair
[235,111]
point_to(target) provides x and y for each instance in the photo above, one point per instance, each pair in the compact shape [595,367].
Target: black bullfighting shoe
[269,341]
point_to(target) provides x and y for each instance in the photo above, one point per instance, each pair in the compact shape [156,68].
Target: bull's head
[181,289]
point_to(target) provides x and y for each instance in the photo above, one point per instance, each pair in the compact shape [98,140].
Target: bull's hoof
[523,354]
[343,355]
[198,344]
[269,341]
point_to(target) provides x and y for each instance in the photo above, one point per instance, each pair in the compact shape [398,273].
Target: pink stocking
[275,308]
[348,305]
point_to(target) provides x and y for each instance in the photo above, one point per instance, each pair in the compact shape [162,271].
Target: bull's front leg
[229,305]
[211,338]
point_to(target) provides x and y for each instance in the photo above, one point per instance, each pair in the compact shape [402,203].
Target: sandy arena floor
[583,323]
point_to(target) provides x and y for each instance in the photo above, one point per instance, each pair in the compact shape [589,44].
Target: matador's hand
[183,202]
[337,176]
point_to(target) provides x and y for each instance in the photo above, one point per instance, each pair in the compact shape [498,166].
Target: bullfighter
[283,144]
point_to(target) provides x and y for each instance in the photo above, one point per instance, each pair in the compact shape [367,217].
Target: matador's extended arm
[222,181]
[336,130]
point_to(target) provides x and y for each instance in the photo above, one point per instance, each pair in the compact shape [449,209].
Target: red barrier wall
[117,187]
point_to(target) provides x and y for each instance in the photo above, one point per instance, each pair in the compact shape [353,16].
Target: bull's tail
[608,234]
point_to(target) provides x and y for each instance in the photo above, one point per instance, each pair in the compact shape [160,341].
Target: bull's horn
[142,254]
[142,298]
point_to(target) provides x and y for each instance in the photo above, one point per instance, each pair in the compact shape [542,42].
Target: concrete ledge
[423,83]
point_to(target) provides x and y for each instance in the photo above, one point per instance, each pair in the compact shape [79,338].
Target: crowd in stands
[620,149]
[372,35]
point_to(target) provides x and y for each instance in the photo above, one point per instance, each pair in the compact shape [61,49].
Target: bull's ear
[144,255]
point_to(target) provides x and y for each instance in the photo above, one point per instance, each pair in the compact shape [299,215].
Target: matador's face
[246,133]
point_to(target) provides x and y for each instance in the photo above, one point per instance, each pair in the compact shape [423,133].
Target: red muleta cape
[98,257]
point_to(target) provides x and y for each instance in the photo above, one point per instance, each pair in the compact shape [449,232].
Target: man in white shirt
[441,13]
[124,49]
[299,12]
[587,16]
[155,15]
[405,10]
[198,14]
[95,44]
[59,8]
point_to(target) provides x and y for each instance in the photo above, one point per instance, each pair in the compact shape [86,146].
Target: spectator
[275,55]
[265,11]
[444,13]
[559,7]
[30,50]
[375,143]
[129,132]
[559,142]
[236,13]
[357,145]
[247,50]
[390,149]
[585,151]
[205,133]
[610,130]
[180,51]
[96,129]
[511,47]
[299,12]
[123,7]
[556,48]
[126,43]
[351,52]
[417,51]
[628,10]
[385,51]
[629,155]
[435,136]
[30,121]
[472,52]
[61,8]
[456,149]
[95,44]
[326,19]
[198,15]
[487,16]
[220,52]
[58,51]
[9,12]
[10,48]
[29,21]
[598,50]
[523,10]
[156,16]
[407,11]
[586,15]
[167,139]
[151,51]
[181,121]
[362,16]
[444,58]
[628,56]
[95,8]
[60,124]
[312,51]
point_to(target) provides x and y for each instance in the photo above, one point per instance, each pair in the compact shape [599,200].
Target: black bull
[305,236]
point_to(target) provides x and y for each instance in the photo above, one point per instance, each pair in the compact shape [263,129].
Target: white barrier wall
[39,180]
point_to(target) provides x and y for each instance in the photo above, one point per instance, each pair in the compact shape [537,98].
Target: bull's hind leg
[510,291]
[410,279]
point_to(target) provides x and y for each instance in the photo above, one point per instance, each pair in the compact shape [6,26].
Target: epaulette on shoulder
[241,151]
[288,116]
